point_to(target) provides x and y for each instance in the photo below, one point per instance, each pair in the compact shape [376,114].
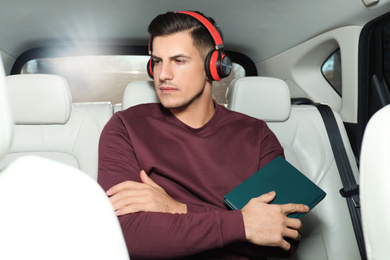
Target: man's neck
[196,115]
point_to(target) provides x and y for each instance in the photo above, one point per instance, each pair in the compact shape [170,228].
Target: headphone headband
[210,27]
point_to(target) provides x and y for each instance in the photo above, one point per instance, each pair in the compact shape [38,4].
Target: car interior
[310,70]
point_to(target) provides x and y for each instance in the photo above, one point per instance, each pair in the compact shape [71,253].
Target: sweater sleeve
[152,235]
[270,146]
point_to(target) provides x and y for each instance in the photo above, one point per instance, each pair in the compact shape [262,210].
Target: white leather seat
[375,184]
[6,120]
[139,92]
[48,125]
[117,107]
[50,210]
[328,232]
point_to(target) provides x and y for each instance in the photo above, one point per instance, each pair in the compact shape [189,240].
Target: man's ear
[208,79]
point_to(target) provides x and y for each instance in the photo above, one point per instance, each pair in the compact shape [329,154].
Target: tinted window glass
[104,78]
[331,69]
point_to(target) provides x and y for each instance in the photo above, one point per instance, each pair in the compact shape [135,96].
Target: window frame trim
[69,51]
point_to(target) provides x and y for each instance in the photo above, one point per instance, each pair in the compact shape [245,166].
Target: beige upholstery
[242,98]
[328,232]
[139,92]
[50,210]
[117,107]
[375,184]
[39,99]
[6,121]
[52,127]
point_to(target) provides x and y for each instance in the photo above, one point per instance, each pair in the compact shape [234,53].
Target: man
[166,167]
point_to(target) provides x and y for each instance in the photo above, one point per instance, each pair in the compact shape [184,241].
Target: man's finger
[147,180]
[294,223]
[267,197]
[126,198]
[123,186]
[291,233]
[285,245]
[293,208]
[129,209]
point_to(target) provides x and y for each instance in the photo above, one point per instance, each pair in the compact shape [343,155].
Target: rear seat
[328,232]
[49,125]
[139,92]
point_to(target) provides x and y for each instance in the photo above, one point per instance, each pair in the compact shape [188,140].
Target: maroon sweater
[194,166]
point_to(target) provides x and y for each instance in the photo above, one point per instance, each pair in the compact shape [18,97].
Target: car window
[104,77]
[331,70]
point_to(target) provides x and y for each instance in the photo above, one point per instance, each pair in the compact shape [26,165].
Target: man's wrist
[182,208]
[176,208]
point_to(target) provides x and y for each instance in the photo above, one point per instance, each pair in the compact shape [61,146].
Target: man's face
[179,75]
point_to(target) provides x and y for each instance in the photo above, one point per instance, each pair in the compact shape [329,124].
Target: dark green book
[290,185]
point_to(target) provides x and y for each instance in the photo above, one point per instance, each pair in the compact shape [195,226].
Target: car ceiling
[257,28]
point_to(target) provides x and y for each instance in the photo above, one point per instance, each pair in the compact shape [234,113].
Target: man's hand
[130,197]
[267,224]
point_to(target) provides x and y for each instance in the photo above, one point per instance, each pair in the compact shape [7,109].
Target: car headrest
[39,99]
[139,92]
[6,122]
[260,97]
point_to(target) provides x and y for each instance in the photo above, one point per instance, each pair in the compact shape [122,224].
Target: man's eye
[156,61]
[180,61]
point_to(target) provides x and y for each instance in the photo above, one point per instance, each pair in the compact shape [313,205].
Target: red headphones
[217,64]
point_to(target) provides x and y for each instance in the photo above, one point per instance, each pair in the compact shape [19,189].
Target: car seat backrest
[49,125]
[375,184]
[249,93]
[39,99]
[139,92]
[6,121]
[50,210]
[328,232]
[116,107]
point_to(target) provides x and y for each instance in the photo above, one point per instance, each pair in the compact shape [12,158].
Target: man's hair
[171,23]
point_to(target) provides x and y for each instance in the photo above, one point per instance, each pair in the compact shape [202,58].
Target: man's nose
[166,72]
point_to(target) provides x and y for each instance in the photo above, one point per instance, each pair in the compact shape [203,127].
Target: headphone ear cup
[149,68]
[207,66]
[211,66]
[224,65]
[217,65]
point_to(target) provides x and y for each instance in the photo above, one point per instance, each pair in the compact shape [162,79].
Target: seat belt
[350,189]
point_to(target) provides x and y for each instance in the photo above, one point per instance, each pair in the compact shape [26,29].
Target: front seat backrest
[50,210]
[375,184]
